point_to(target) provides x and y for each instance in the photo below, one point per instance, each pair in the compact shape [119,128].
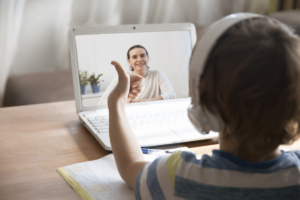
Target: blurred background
[34,56]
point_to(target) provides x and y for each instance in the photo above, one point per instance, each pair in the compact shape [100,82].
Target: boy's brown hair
[252,80]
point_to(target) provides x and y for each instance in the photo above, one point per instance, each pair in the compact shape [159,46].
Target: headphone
[202,119]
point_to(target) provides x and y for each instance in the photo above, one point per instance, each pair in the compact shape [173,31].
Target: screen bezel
[74,31]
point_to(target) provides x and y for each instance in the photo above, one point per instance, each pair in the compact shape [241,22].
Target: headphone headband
[203,120]
[206,44]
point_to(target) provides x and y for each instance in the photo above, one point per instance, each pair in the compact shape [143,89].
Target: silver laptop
[169,48]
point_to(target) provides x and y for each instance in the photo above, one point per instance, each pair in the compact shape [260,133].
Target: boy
[250,86]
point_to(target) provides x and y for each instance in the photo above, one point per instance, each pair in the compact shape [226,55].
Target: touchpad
[157,135]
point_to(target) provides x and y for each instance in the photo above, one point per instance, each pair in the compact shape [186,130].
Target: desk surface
[38,139]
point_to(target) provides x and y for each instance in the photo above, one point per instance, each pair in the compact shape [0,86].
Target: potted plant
[83,77]
[94,81]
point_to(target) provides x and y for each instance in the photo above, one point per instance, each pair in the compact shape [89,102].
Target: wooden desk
[35,140]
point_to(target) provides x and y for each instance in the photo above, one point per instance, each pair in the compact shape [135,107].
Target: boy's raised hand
[127,151]
[128,88]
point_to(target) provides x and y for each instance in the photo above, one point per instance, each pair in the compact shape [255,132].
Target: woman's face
[138,59]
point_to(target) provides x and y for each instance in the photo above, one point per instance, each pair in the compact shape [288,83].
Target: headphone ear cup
[203,120]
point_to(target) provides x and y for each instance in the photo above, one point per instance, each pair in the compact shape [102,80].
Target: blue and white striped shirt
[220,176]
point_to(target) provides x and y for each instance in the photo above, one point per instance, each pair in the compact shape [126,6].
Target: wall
[43,44]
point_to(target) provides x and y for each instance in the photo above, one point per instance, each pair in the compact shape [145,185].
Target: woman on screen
[157,85]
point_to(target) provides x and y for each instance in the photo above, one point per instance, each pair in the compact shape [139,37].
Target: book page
[101,180]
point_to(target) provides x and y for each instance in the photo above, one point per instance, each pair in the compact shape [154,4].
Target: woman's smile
[140,64]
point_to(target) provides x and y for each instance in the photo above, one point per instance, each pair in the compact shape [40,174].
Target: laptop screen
[167,64]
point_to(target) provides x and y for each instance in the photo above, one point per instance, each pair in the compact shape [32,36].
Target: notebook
[100,179]
[169,47]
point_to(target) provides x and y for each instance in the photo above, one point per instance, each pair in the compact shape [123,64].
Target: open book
[98,179]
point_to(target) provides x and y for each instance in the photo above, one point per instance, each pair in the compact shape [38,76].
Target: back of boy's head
[252,80]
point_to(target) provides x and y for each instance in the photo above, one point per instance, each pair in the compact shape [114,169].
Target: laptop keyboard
[148,119]
[100,123]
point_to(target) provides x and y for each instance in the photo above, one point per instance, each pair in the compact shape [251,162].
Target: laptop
[169,48]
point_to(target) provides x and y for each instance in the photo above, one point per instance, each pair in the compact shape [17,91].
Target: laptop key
[103,131]
[102,126]
[99,124]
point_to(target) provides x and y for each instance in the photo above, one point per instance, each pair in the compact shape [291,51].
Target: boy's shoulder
[186,175]
[224,160]
[227,161]
[221,162]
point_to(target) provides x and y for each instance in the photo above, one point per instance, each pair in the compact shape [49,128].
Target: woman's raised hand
[136,87]
[128,88]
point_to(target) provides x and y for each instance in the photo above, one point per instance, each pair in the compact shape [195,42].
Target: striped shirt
[220,176]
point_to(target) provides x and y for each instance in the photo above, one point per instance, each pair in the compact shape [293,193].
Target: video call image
[161,57]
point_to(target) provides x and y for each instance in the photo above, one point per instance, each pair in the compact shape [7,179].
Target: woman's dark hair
[252,80]
[134,47]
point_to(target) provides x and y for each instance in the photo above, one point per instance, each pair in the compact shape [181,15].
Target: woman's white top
[156,84]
